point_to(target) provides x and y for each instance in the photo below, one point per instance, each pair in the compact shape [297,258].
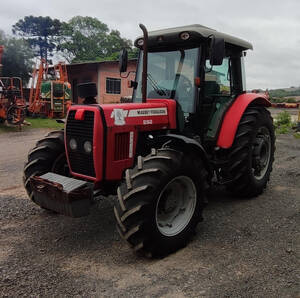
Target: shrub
[283,123]
[290,100]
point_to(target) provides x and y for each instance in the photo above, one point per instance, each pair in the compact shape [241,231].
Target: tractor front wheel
[160,202]
[47,156]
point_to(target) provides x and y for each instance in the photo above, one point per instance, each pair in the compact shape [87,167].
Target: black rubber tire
[239,169]
[48,155]
[137,196]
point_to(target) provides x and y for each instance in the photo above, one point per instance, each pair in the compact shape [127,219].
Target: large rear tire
[160,202]
[251,156]
[47,156]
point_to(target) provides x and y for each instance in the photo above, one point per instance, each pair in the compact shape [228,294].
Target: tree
[88,39]
[16,58]
[41,34]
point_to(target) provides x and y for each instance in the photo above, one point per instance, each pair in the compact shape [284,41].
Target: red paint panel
[133,125]
[171,104]
[234,115]
[115,168]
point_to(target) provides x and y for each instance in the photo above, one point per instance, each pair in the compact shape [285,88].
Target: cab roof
[197,34]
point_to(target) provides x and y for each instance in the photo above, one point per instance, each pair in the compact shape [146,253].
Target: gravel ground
[244,248]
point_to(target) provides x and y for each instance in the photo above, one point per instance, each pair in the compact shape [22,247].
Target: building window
[113,86]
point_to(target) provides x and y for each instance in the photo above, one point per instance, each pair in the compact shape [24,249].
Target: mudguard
[234,115]
[187,144]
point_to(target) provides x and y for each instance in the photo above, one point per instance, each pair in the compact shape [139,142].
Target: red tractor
[191,123]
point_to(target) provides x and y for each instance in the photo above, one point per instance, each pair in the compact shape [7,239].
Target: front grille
[81,131]
[121,146]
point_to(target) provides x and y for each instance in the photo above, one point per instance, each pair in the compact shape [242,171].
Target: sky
[272,26]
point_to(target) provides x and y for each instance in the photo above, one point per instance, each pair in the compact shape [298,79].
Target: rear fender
[187,145]
[234,114]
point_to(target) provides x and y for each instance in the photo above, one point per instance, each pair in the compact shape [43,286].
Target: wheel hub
[261,153]
[176,205]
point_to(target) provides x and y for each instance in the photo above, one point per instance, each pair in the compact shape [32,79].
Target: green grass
[35,123]
[44,123]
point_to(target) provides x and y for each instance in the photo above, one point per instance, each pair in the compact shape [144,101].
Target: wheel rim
[176,205]
[261,153]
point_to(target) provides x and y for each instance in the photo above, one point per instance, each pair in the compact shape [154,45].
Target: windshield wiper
[160,91]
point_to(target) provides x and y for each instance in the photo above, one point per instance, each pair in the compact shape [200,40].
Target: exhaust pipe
[145,63]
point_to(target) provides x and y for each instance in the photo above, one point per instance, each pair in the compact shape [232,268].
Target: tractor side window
[218,78]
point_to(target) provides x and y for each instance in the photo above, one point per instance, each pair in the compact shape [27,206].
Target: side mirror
[123,60]
[217,51]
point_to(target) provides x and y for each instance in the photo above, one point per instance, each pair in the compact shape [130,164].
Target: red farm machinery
[191,124]
[50,92]
[12,102]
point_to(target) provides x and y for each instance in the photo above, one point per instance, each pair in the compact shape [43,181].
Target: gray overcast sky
[273,27]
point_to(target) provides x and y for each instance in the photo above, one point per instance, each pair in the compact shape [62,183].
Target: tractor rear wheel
[47,156]
[160,202]
[252,153]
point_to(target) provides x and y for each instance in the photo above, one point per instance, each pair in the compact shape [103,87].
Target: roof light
[160,38]
[184,35]
[140,42]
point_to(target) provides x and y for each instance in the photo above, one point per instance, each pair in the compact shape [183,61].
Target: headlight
[73,144]
[87,146]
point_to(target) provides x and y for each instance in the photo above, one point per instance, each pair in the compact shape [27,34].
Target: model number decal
[149,121]
[120,115]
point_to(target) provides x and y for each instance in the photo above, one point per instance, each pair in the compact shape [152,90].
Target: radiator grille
[81,131]
[121,146]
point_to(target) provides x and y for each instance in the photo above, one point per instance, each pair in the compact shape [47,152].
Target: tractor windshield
[170,75]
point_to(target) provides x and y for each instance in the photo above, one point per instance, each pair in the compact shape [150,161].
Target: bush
[290,100]
[277,100]
[283,123]
[282,100]
[283,118]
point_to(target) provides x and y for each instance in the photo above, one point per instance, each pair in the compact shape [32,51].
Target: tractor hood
[153,112]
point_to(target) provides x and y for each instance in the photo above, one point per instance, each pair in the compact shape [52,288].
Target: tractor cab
[201,68]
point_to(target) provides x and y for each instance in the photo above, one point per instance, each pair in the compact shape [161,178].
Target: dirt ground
[244,248]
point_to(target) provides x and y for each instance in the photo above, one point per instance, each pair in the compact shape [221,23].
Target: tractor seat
[208,108]
[212,88]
